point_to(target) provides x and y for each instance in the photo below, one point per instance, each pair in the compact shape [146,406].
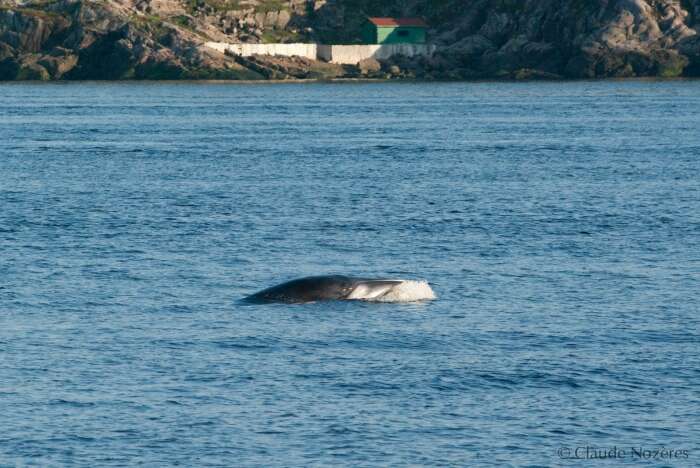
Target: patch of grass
[43,14]
[270,5]
[182,21]
[151,23]
[275,36]
[673,70]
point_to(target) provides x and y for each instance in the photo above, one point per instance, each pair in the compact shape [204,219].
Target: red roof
[393,22]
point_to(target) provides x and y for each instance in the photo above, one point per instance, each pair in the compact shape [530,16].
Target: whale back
[337,287]
[309,289]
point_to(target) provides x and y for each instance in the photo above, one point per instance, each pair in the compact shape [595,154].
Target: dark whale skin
[312,289]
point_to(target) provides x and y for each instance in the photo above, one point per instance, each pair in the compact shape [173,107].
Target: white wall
[351,54]
[346,54]
[287,50]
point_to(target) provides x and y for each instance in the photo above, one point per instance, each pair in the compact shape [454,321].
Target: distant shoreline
[354,80]
[466,42]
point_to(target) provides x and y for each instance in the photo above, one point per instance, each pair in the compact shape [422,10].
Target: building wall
[287,50]
[400,35]
[372,34]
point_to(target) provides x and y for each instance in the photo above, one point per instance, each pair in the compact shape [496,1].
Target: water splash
[407,291]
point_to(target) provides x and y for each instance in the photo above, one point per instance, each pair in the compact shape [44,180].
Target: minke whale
[344,288]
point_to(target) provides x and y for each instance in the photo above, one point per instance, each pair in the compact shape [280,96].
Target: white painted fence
[287,50]
[352,54]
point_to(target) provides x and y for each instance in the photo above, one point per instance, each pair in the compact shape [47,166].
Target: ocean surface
[558,223]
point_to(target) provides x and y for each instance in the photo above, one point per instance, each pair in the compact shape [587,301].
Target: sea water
[558,224]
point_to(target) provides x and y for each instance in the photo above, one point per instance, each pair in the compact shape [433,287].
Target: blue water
[559,224]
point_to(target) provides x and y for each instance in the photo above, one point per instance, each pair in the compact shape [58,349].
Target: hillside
[163,39]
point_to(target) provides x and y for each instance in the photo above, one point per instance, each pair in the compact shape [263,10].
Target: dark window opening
[403,33]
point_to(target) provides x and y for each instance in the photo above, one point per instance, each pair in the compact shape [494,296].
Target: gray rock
[30,70]
[369,65]
[58,64]
[690,48]
[283,19]
[6,51]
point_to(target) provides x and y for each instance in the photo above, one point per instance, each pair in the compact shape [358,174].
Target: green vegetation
[182,20]
[152,24]
[43,14]
[274,36]
[672,69]
[270,5]
[228,5]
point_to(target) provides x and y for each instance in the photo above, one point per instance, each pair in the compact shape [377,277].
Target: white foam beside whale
[406,291]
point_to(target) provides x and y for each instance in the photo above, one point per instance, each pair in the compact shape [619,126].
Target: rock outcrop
[524,39]
[572,39]
[103,40]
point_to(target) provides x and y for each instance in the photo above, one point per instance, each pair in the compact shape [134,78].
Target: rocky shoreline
[487,39]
